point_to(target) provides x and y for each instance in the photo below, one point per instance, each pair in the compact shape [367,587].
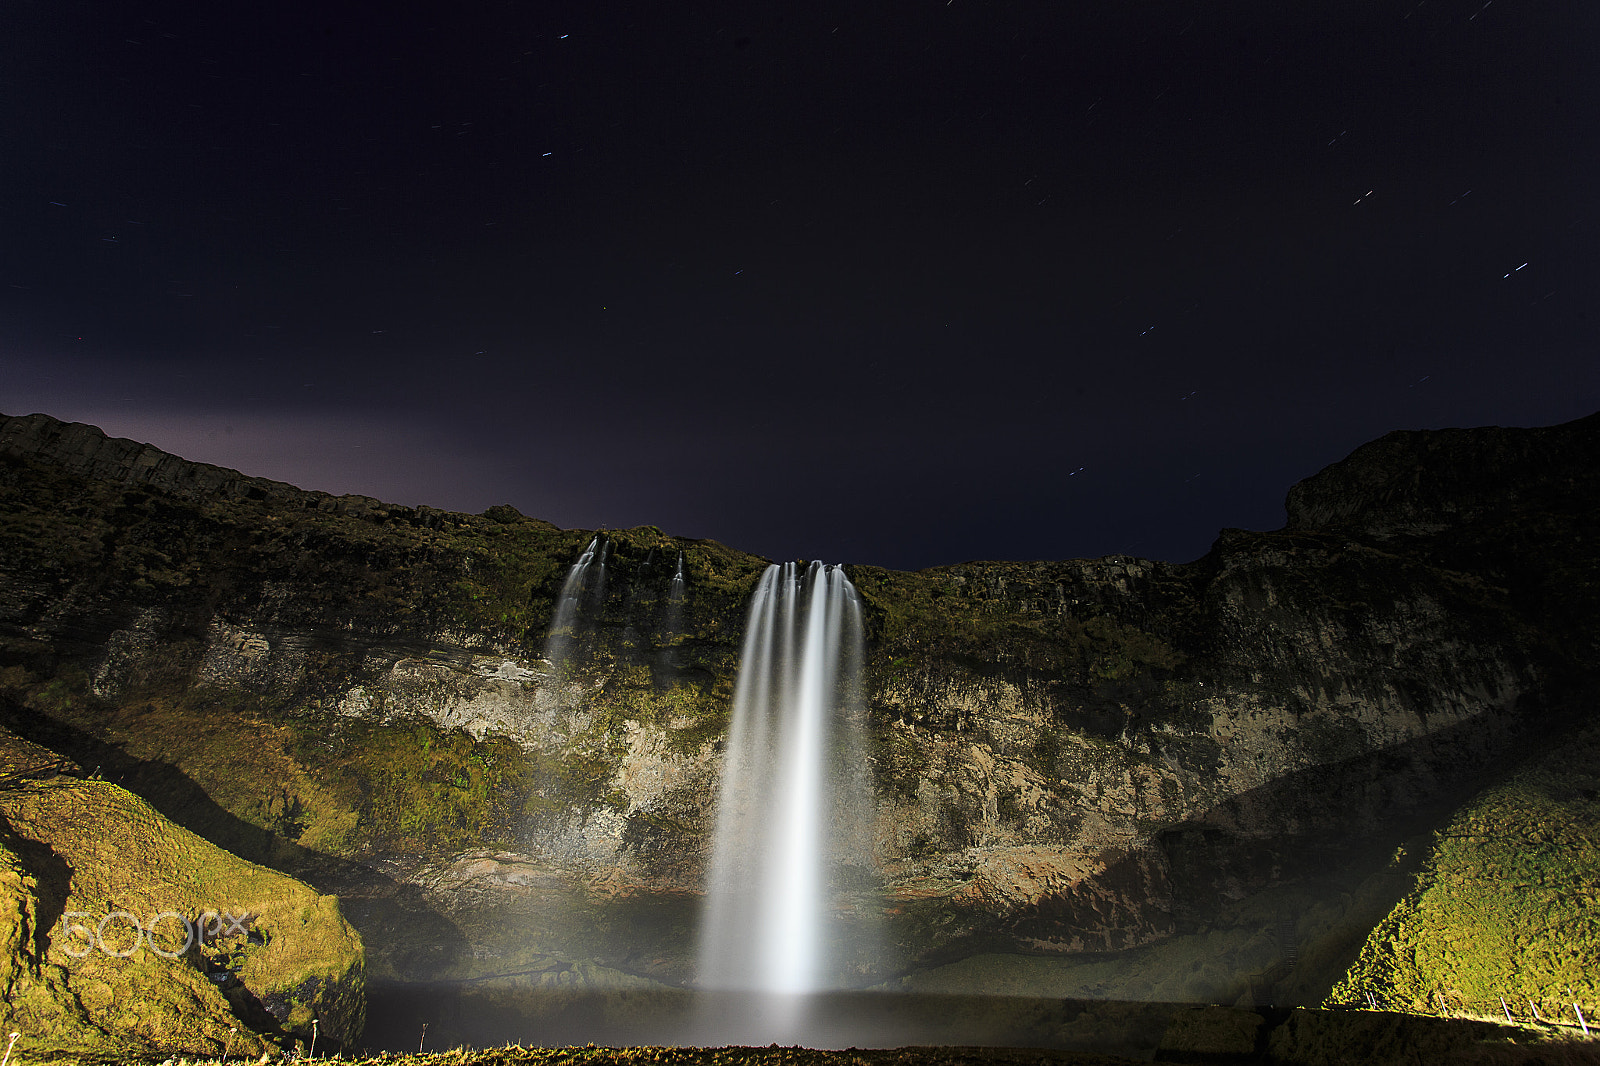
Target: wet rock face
[1074,756]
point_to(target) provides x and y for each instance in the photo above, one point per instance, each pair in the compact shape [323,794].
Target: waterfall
[675,594]
[673,623]
[558,639]
[794,804]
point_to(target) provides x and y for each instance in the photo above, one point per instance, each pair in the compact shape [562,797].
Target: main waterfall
[793,811]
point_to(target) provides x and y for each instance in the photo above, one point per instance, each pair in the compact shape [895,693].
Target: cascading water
[558,638]
[793,810]
[673,623]
[675,593]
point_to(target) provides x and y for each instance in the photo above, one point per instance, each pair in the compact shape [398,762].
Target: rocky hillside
[1213,760]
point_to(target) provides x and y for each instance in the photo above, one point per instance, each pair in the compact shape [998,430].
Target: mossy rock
[1506,904]
[100,901]
[273,786]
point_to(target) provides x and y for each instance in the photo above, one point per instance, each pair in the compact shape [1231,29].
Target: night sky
[897,283]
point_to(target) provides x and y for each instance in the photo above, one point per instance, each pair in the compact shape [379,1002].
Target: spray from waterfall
[792,835]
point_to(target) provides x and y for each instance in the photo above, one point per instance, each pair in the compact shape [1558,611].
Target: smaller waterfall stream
[558,638]
[672,623]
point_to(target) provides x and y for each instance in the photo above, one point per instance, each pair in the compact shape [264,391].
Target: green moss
[416,787]
[1507,904]
[343,787]
[689,714]
[561,782]
[105,861]
[1047,752]
[376,568]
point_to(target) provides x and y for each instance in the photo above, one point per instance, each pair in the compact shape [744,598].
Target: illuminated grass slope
[1507,905]
[82,861]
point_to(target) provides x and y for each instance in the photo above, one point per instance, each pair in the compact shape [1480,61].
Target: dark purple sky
[904,283]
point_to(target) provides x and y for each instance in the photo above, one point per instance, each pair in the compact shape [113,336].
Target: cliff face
[1069,757]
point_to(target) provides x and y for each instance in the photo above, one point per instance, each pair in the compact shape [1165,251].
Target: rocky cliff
[1070,759]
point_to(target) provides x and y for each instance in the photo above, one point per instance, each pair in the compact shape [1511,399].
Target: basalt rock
[1068,758]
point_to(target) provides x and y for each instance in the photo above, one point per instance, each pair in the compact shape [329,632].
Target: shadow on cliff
[395,921]
[1307,859]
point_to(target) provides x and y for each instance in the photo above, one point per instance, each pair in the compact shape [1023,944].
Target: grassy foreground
[1215,1035]
[732,1056]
